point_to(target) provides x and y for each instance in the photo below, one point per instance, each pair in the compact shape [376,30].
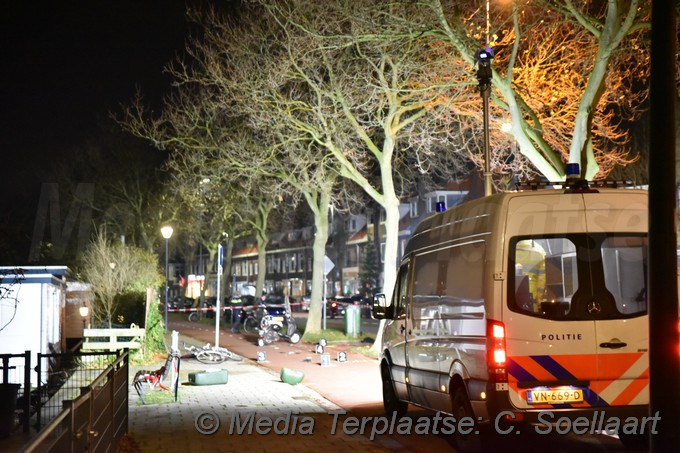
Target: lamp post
[483,60]
[166,231]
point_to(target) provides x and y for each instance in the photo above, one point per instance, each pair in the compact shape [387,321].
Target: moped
[272,331]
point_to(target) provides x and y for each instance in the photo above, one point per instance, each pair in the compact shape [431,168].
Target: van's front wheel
[391,402]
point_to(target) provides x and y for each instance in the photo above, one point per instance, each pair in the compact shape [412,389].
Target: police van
[524,306]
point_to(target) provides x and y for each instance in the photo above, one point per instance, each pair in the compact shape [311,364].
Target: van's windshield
[578,276]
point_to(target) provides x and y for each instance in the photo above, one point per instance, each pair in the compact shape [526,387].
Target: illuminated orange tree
[568,79]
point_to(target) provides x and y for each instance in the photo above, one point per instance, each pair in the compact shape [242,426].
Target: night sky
[64,66]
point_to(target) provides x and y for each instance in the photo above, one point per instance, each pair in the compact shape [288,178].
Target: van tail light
[496,352]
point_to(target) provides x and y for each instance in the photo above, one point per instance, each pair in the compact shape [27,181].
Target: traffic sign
[328,265]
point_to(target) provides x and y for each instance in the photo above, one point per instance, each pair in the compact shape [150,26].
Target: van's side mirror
[381,310]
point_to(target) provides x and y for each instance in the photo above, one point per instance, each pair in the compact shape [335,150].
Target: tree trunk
[226,270]
[262,219]
[318,253]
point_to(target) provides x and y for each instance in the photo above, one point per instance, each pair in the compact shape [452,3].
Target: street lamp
[166,231]
[483,59]
[84,311]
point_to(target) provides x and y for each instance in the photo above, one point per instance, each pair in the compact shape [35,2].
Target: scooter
[271,332]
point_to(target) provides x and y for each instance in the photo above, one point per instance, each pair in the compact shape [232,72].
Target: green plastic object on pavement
[209,377]
[291,377]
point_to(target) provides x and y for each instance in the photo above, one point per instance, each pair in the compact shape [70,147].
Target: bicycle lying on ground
[212,355]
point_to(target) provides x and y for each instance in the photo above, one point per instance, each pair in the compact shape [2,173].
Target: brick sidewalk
[253,392]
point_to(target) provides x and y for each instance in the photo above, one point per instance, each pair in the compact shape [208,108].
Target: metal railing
[94,421]
[61,376]
[16,369]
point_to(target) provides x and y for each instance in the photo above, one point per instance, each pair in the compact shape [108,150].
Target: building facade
[289,254]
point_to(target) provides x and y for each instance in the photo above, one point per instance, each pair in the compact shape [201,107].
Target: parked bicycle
[196,316]
[212,355]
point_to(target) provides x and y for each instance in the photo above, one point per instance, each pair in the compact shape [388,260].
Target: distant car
[272,305]
[303,304]
[338,305]
[333,308]
[366,304]
[181,302]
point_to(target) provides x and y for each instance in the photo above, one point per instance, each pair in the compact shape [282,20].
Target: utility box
[352,321]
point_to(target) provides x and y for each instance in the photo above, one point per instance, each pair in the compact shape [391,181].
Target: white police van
[526,306]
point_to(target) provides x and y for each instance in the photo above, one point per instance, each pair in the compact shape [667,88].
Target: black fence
[61,376]
[95,420]
[14,403]
[33,394]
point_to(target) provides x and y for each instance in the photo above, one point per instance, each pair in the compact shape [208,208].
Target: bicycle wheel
[251,325]
[193,316]
[210,357]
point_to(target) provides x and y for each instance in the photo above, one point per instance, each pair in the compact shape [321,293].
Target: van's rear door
[622,338]
[575,309]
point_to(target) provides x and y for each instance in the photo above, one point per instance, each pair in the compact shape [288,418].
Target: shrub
[129,308]
[154,341]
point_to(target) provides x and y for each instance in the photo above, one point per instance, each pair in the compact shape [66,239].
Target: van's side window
[448,284]
[555,276]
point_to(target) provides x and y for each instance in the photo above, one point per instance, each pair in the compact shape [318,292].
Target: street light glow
[166,231]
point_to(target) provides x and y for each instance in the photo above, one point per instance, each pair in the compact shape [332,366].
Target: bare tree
[220,129]
[214,180]
[316,83]
[356,97]
[114,268]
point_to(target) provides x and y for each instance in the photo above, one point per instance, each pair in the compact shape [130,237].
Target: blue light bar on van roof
[600,183]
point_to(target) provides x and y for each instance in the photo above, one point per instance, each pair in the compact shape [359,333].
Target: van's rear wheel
[463,410]
[391,403]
